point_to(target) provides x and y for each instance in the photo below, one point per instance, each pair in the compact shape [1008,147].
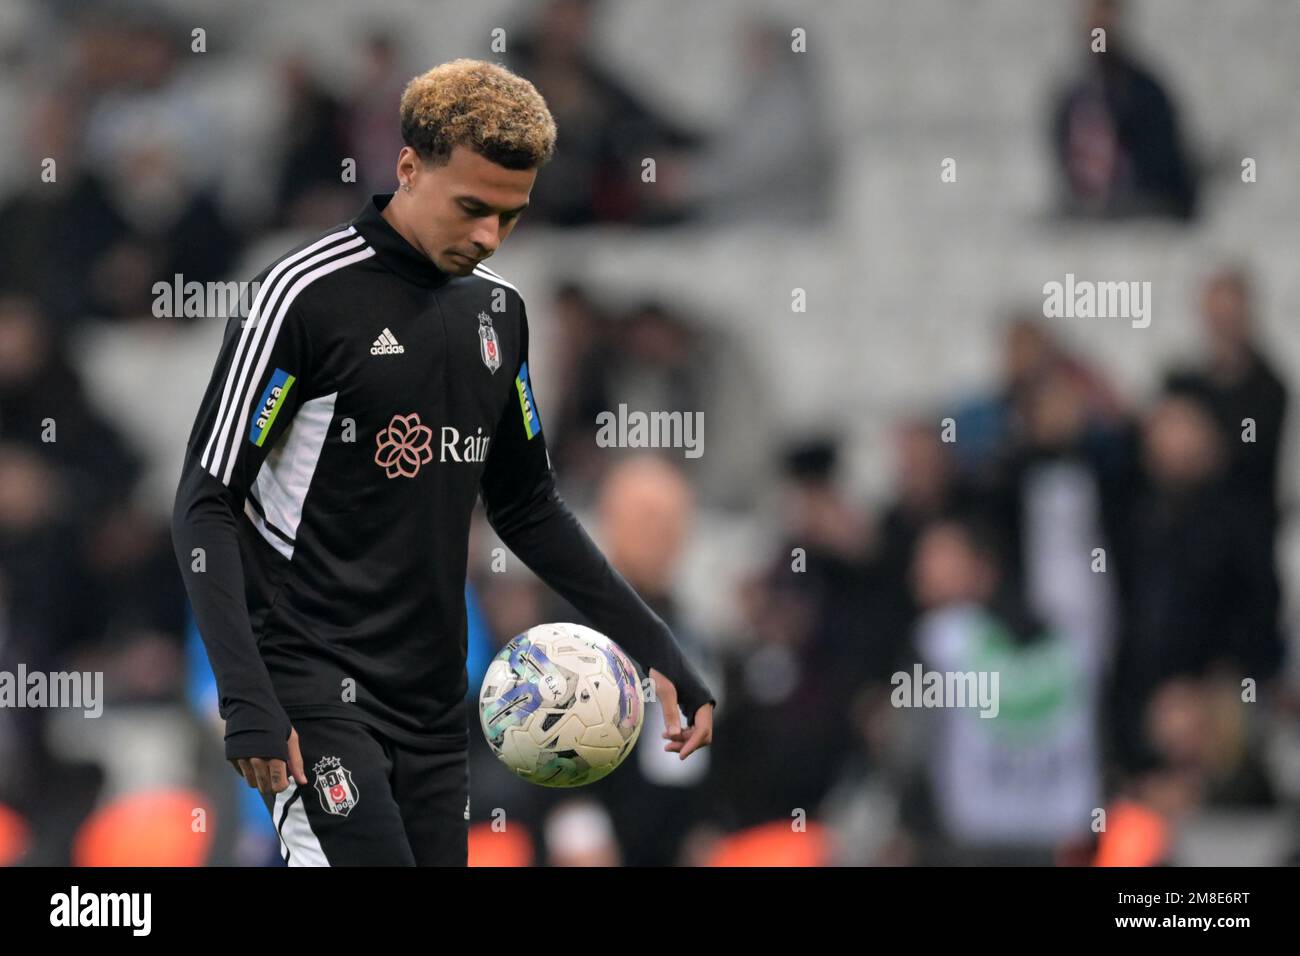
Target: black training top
[323,515]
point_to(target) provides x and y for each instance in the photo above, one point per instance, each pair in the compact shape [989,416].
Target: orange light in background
[1134,836]
[15,837]
[509,847]
[774,844]
[154,828]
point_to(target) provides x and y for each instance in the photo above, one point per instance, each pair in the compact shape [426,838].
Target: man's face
[946,569]
[461,212]
[1226,311]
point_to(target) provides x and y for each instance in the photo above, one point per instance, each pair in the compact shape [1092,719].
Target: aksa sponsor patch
[532,424]
[269,406]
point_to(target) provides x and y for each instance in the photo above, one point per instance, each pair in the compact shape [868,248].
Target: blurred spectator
[656,360]
[606,130]
[583,339]
[987,426]
[44,406]
[1061,495]
[38,547]
[1200,726]
[1238,383]
[926,487]
[829,551]
[151,145]
[1016,787]
[41,617]
[578,833]
[644,511]
[371,127]
[311,193]
[810,639]
[53,229]
[1047,462]
[773,157]
[1115,132]
[135,610]
[1199,576]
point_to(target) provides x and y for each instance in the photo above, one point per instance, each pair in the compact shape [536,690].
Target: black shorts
[370,801]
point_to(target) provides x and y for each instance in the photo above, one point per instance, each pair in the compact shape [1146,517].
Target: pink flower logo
[404,446]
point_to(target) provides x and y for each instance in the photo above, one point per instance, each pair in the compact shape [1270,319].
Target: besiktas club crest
[488,347]
[338,794]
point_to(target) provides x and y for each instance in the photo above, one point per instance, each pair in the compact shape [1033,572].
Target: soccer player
[377,387]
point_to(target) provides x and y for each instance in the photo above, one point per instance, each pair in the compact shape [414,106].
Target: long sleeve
[255,390]
[526,511]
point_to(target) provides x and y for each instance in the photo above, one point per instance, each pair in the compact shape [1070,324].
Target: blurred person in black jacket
[655,799]
[606,127]
[310,192]
[1237,383]
[1197,573]
[584,346]
[814,635]
[1115,132]
[927,486]
[44,406]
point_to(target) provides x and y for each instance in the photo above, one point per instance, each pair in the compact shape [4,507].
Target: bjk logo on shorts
[338,794]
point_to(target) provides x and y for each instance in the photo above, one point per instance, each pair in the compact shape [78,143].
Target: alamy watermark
[922,688]
[636,429]
[74,908]
[1084,299]
[201,300]
[63,689]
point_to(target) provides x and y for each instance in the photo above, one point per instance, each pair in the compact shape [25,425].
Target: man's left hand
[681,740]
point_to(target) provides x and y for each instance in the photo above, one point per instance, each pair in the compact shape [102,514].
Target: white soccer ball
[561,705]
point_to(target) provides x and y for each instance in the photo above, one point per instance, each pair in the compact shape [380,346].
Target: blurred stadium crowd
[1078,510]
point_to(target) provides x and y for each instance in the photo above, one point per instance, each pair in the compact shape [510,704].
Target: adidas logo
[386,344]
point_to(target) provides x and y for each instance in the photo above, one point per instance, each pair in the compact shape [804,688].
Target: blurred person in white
[1017,787]
[1115,131]
[578,832]
[645,507]
[1063,490]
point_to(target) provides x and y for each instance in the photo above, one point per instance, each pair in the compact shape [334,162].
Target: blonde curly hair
[481,105]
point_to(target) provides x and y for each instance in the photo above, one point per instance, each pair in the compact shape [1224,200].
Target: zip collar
[392,249]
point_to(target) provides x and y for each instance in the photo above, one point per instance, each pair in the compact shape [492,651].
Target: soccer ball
[561,705]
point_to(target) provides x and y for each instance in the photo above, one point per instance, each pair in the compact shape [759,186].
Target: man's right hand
[270,776]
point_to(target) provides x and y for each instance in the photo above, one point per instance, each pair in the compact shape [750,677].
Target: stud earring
[406,186]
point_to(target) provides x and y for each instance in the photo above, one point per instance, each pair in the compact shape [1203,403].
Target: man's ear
[408,161]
